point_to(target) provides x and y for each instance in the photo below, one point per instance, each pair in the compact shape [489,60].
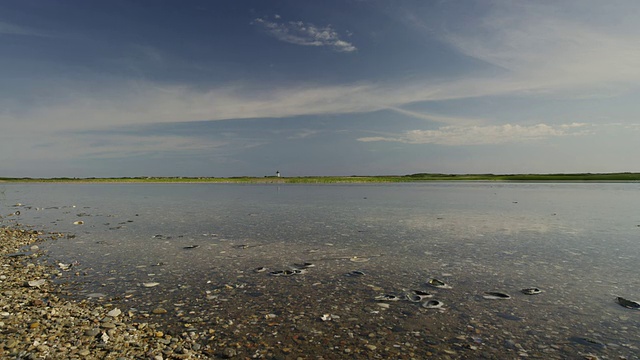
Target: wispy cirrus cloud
[564,45]
[482,135]
[13,29]
[305,34]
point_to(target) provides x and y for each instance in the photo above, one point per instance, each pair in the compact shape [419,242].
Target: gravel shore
[36,322]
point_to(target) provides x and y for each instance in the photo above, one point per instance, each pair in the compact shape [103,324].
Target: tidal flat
[211,267]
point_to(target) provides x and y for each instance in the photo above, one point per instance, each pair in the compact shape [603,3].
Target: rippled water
[579,243]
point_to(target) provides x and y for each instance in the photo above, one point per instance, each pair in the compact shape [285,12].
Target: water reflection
[201,243]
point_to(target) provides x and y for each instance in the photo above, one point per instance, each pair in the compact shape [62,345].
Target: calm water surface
[579,243]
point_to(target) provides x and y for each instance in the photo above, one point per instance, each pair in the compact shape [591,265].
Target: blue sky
[353,87]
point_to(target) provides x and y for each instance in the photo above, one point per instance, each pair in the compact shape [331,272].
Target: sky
[353,87]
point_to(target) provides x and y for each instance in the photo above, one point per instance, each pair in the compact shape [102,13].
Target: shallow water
[579,243]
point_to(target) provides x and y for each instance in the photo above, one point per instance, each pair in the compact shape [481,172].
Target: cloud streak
[12,29]
[305,34]
[482,135]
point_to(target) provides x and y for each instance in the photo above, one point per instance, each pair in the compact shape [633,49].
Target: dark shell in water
[629,304]
[421,293]
[418,295]
[531,291]
[304,265]
[496,295]
[355,273]
[387,297]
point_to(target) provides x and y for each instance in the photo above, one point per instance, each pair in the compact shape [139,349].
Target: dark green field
[581,177]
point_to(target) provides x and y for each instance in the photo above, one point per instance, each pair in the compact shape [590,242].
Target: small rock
[228,353]
[159,311]
[114,313]
[92,332]
[84,352]
[371,347]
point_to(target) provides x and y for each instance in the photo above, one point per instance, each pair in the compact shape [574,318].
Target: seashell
[191,247]
[79,222]
[531,291]
[329,317]
[36,283]
[358,259]
[492,295]
[387,297]
[438,284]
[150,284]
[418,295]
[355,273]
[260,269]
[629,304]
[433,304]
[287,272]
[17,212]
[64,267]
[304,265]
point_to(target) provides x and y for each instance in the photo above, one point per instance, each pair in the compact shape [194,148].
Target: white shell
[433,304]
[36,283]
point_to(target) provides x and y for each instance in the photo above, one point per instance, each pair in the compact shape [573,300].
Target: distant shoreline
[422,177]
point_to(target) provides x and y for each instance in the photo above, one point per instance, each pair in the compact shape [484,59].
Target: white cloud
[306,34]
[482,135]
[303,134]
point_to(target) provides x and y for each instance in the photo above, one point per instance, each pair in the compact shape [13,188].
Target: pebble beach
[37,322]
